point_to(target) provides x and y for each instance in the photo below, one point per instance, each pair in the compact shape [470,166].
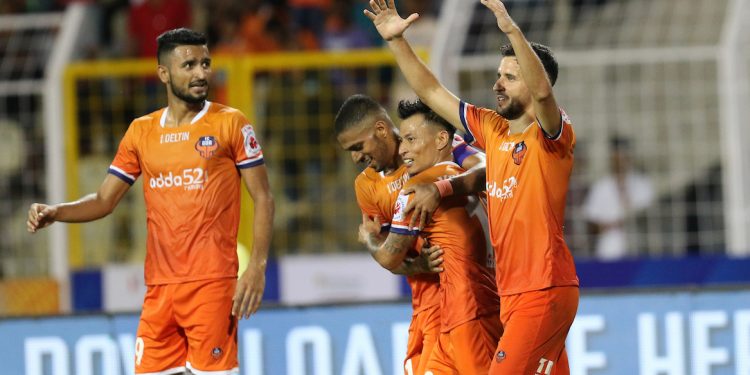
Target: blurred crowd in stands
[128,28]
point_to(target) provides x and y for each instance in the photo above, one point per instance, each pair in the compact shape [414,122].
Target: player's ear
[442,139]
[163,73]
[381,129]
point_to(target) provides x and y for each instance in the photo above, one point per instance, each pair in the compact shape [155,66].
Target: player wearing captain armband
[364,128]
[469,304]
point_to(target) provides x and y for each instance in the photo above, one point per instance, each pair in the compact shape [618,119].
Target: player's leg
[474,344]
[441,357]
[429,325]
[204,310]
[562,367]
[413,347]
[160,345]
[536,324]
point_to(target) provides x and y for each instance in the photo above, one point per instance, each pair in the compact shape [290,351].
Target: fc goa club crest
[206,146]
[519,151]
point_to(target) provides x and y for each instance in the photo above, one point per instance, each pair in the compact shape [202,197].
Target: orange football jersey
[527,182]
[467,284]
[376,195]
[191,185]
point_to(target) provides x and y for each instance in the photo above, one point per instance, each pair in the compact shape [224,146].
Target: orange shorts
[536,324]
[188,325]
[466,349]
[423,334]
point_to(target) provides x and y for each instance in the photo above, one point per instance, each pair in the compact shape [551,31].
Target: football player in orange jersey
[193,156]
[469,304]
[529,142]
[364,128]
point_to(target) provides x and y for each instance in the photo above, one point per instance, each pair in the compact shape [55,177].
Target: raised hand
[504,22]
[40,216]
[387,20]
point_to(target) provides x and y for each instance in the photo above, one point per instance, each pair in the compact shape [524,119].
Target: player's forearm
[470,182]
[89,208]
[262,227]
[409,267]
[386,254]
[387,259]
[532,69]
[417,74]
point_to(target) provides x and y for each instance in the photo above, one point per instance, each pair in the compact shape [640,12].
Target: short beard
[186,97]
[512,111]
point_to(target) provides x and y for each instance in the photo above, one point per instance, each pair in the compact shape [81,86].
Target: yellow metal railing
[246,82]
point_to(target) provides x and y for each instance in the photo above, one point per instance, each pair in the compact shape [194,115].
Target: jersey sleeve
[480,124]
[244,143]
[561,143]
[126,164]
[461,150]
[400,221]
[367,204]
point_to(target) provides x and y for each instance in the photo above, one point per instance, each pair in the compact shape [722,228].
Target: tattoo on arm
[393,251]
[374,242]
[398,243]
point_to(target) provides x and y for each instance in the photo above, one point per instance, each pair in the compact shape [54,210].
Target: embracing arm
[91,207]
[392,252]
[252,282]
[429,259]
[427,196]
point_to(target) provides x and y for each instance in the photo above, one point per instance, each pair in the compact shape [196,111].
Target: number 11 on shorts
[545,367]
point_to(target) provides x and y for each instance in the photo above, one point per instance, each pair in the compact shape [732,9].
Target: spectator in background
[420,34]
[340,32]
[150,18]
[614,199]
[308,21]
[12,6]
[250,28]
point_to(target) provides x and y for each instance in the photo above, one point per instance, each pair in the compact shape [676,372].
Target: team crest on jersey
[500,356]
[216,352]
[398,209]
[206,146]
[252,147]
[564,116]
[519,151]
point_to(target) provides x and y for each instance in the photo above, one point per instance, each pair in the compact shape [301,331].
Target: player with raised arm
[193,156]
[364,128]
[529,143]
[469,305]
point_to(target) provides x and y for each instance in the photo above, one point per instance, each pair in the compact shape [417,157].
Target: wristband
[444,187]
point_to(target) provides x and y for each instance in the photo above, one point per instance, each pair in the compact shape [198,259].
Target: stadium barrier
[669,332]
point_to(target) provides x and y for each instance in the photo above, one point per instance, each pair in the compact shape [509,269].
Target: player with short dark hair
[469,304]
[194,156]
[364,128]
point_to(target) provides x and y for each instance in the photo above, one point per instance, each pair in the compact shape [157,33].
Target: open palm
[504,22]
[387,20]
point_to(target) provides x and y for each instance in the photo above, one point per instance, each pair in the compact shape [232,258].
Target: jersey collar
[197,117]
